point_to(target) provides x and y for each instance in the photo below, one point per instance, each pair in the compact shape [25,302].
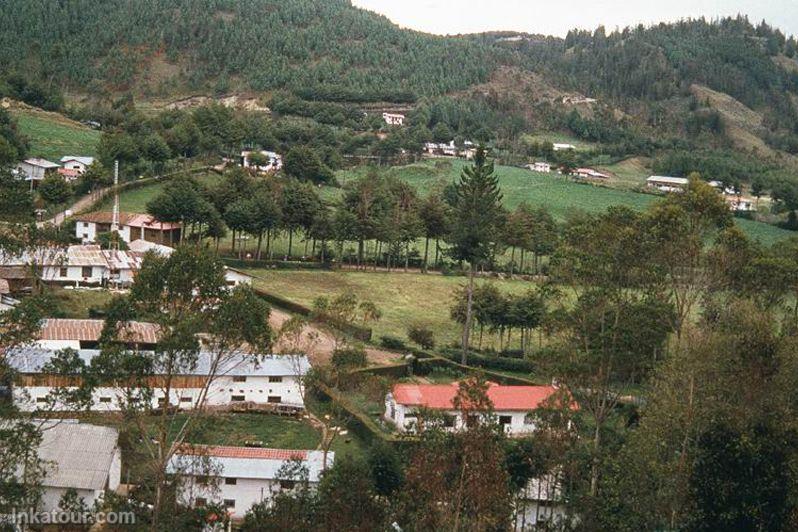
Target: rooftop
[90,330]
[44,163]
[87,161]
[79,455]
[441,396]
[669,180]
[131,219]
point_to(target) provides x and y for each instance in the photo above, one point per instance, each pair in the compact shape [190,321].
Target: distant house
[589,173]
[513,405]
[540,504]
[541,167]
[394,119]
[235,277]
[667,184]
[36,169]
[85,334]
[442,148]
[76,164]
[563,147]
[274,161]
[78,456]
[740,203]
[240,477]
[132,226]
[272,381]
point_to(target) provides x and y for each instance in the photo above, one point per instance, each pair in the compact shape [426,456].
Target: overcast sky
[556,17]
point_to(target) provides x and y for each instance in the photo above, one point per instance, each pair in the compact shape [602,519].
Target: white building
[513,406]
[79,456]
[667,184]
[448,149]
[243,379]
[57,333]
[36,169]
[274,161]
[235,277]
[79,265]
[239,477]
[563,147]
[77,163]
[394,119]
[132,226]
[541,167]
[589,173]
[740,203]
[540,505]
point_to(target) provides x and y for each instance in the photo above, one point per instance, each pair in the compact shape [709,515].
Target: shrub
[422,336]
[391,342]
[349,357]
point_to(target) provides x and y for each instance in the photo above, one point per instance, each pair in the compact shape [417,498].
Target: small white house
[666,183]
[558,146]
[543,168]
[540,505]
[36,169]
[590,173]
[132,226]
[394,119]
[73,166]
[239,477]
[513,406]
[243,379]
[274,161]
[79,456]
[740,203]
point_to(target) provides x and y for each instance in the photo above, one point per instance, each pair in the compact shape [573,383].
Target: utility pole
[115,220]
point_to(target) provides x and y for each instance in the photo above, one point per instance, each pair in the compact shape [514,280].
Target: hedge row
[492,362]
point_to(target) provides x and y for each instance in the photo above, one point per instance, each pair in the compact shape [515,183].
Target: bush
[349,357]
[391,342]
[422,336]
[494,362]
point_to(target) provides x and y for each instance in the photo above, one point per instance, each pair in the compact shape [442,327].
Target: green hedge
[493,362]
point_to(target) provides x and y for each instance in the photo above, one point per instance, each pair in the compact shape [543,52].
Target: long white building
[239,477]
[242,379]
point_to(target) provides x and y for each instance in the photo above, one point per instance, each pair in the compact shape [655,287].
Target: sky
[556,17]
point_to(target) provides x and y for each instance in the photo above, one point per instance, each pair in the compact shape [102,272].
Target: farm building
[558,146]
[85,334]
[667,184]
[540,504]
[541,167]
[513,405]
[589,173]
[740,203]
[273,161]
[442,148]
[394,119]
[36,169]
[239,477]
[78,456]
[245,379]
[76,164]
[132,226]
[76,266]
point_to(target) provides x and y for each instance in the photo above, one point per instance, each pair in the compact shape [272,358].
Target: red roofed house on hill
[132,226]
[512,405]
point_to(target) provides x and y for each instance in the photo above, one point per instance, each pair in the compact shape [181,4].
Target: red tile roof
[90,330]
[441,396]
[131,219]
[223,451]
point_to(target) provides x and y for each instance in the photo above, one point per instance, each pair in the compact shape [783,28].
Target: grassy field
[403,298]
[52,135]
[76,303]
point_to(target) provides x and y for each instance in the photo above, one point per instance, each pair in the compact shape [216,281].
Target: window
[86,271]
[229,503]
[86,224]
[105,399]
[275,379]
[185,399]
[200,501]
[238,398]
[230,481]
[287,484]
[41,399]
[63,272]
[202,480]
[448,420]
[274,399]
[505,420]
[238,378]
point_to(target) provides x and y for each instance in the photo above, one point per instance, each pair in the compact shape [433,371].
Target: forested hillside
[319,49]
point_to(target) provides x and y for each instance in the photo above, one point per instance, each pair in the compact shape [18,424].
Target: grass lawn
[403,298]
[52,135]
[76,303]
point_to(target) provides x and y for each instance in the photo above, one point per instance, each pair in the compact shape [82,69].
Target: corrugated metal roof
[245,462]
[79,455]
[90,330]
[31,359]
[87,161]
[669,180]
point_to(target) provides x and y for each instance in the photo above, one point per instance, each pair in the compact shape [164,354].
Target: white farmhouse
[667,184]
[79,456]
[590,173]
[240,379]
[513,406]
[559,146]
[77,163]
[543,168]
[540,504]
[394,119]
[274,161]
[239,477]
[36,169]
[132,226]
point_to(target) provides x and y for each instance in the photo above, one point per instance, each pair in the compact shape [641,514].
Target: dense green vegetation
[52,136]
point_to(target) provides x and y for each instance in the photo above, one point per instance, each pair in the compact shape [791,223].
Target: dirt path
[320,344]
[82,204]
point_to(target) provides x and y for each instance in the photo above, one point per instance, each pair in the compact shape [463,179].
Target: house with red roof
[513,406]
[239,477]
[132,226]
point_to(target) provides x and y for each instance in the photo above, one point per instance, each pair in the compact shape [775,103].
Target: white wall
[245,492]
[75,275]
[52,496]
[87,232]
